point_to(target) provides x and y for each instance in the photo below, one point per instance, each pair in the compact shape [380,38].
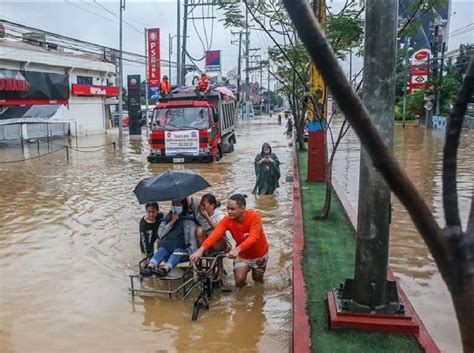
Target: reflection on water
[420,152]
[68,240]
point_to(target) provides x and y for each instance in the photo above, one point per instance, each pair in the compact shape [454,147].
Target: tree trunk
[463,305]
[299,126]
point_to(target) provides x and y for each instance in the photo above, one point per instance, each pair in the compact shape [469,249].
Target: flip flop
[161,272]
[146,272]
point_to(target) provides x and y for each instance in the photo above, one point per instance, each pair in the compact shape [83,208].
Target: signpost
[134,114]
[419,70]
[213,62]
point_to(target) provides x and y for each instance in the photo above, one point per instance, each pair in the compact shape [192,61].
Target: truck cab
[186,129]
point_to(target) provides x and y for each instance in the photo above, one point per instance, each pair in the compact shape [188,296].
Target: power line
[116,16]
[73,44]
[459,29]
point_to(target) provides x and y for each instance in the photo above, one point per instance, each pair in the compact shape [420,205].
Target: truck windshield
[181,118]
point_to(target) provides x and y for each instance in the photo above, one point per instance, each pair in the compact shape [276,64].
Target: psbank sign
[90,90]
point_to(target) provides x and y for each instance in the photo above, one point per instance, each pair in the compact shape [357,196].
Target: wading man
[251,251]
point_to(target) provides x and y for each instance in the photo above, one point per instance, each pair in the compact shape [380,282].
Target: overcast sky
[95,22]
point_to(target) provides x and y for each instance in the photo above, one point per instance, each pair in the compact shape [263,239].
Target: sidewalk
[328,259]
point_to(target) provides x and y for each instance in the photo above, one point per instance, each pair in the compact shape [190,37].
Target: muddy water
[69,240]
[420,152]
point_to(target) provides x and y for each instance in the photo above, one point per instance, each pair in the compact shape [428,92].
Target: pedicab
[186,278]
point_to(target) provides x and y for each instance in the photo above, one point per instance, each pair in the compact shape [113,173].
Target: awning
[36,114]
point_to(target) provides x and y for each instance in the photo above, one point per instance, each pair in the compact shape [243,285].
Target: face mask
[177,209]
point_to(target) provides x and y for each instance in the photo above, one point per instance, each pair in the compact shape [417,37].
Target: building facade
[32,73]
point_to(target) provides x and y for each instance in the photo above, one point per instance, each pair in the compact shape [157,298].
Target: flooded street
[420,152]
[69,239]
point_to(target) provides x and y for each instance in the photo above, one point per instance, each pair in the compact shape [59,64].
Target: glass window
[181,118]
[84,80]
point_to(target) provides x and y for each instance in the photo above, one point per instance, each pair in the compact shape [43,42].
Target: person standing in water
[267,171]
[251,251]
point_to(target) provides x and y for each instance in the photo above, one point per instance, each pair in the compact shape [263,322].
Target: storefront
[32,75]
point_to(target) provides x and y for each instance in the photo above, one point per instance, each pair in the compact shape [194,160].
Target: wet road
[420,151]
[69,240]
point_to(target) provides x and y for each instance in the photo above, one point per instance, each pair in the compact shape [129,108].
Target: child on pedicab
[149,229]
[176,234]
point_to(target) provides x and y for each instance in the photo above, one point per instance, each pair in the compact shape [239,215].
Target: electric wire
[16,31]
[116,16]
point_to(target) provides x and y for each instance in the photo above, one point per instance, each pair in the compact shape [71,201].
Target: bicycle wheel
[197,307]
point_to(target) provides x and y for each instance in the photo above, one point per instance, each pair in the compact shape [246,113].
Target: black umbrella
[170,185]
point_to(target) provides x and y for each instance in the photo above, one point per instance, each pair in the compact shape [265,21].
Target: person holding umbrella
[251,251]
[176,235]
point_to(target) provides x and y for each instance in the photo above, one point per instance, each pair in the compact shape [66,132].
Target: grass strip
[329,257]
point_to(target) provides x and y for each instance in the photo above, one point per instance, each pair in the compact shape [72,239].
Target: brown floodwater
[69,240]
[420,152]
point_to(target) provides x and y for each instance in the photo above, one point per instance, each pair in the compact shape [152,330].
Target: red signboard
[419,70]
[422,55]
[90,90]
[153,45]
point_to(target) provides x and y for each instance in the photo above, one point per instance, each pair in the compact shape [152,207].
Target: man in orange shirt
[203,86]
[251,251]
[165,87]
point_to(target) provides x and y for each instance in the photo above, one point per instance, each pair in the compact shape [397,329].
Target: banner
[182,142]
[134,105]
[153,45]
[32,87]
[213,60]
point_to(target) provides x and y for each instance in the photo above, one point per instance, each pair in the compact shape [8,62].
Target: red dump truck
[185,128]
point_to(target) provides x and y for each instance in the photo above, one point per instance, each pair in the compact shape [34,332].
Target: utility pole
[239,67]
[170,51]
[122,8]
[268,83]
[178,45]
[183,51]
[247,57]
[440,77]
[369,291]
[407,47]
[350,66]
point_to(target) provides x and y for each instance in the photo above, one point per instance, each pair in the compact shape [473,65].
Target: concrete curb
[301,330]
[423,337]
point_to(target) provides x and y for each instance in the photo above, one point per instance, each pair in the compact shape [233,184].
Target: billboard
[153,46]
[32,87]
[213,60]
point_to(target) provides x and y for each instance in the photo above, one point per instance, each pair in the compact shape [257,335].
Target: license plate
[178,160]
